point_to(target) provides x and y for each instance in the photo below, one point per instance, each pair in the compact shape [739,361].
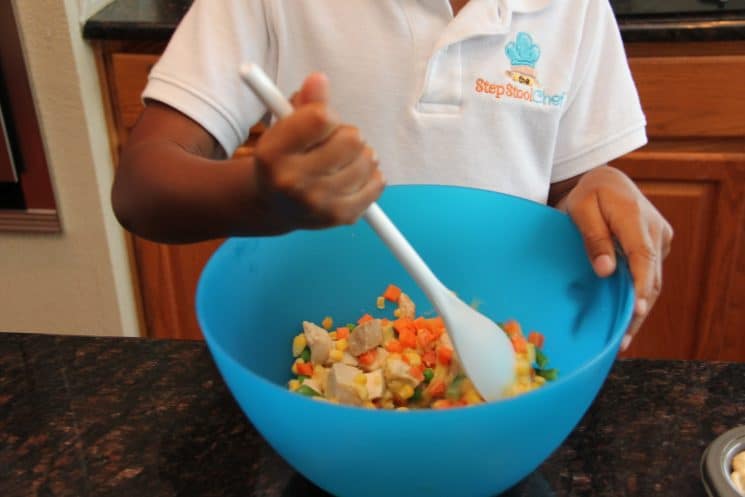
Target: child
[530,98]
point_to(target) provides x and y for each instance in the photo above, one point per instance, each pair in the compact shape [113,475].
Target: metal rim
[716,463]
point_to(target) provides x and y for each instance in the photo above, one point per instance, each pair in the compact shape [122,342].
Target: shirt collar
[526,6]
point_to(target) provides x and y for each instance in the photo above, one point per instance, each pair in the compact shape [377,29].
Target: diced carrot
[367,358]
[364,319]
[436,388]
[402,324]
[407,339]
[512,327]
[519,344]
[425,337]
[536,338]
[392,293]
[394,346]
[417,372]
[435,324]
[327,322]
[444,355]
[429,358]
[342,333]
[305,368]
[442,404]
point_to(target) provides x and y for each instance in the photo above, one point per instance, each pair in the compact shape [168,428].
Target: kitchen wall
[86,8]
[76,282]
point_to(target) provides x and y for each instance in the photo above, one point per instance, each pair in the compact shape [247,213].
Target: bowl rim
[623,315]
[716,462]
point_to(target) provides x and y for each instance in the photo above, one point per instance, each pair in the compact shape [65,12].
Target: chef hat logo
[523,52]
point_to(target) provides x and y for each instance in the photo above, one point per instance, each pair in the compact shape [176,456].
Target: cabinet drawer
[130,73]
[692,96]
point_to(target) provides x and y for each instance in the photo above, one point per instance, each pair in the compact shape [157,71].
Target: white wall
[87,8]
[76,282]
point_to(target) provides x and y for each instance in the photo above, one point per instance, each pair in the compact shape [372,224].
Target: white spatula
[484,349]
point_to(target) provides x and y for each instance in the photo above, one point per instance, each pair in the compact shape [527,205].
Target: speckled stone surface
[156,19]
[114,417]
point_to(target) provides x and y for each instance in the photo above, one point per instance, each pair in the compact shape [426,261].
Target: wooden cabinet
[693,170]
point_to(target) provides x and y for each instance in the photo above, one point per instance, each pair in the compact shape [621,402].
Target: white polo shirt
[508,95]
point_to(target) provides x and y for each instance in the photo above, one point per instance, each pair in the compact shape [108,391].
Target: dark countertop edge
[633,29]
[690,29]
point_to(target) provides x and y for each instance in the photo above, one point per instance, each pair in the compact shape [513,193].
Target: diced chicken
[349,359]
[315,385]
[380,356]
[406,307]
[366,336]
[375,384]
[738,463]
[343,387]
[396,370]
[319,342]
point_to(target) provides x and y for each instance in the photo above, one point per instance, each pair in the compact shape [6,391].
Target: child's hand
[605,204]
[313,169]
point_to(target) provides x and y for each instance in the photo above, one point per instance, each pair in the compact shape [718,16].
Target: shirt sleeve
[198,72]
[603,118]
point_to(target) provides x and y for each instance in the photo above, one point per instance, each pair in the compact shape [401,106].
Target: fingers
[347,209]
[663,240]
[589,219]
[315,89]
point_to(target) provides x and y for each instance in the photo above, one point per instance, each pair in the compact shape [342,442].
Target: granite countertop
[644,20]
[116,417]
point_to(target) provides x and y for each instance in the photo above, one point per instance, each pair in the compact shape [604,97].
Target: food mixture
[406,362]
[738,472]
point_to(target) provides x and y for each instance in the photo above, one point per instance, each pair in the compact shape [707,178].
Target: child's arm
[605,204]
[309,171]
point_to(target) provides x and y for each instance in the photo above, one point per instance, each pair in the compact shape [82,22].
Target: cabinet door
[701,195]
[166,275]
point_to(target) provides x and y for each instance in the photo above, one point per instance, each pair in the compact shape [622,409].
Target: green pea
[549,374]
[541,359]
[305,355]
[428,374]
[307,391]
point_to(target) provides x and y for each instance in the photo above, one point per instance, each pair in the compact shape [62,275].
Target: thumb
[596,235]
[315,89]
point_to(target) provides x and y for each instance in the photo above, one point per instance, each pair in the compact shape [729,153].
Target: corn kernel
[380,303]
[327,322]
[336,355]
[472,397]
[294,385]
[531,353]
[405,392]
[388,404]
[298,345]
[540,380]
[388,333]
[413,358]
[332,335]
[362,391]
[342,344]
[522,367]
[397,313]
[294,368]
[360,379]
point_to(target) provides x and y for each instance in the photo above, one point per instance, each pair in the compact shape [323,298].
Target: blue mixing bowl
[518,259]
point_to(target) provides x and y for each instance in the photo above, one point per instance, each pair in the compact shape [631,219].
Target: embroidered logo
[523,54]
